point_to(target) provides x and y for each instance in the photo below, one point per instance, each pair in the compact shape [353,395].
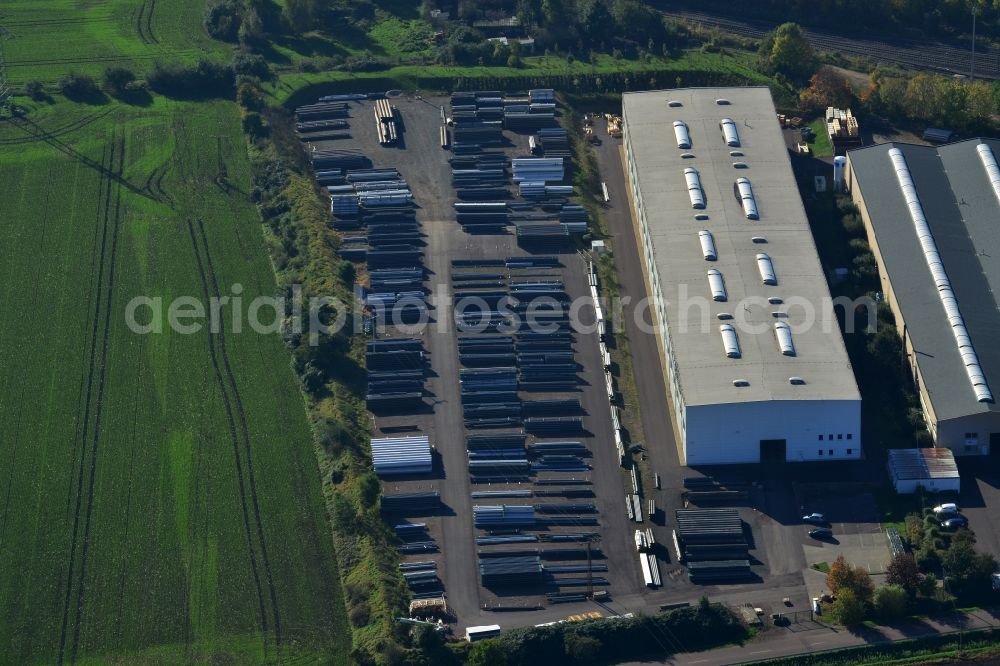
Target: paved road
[918,54]
[795,640]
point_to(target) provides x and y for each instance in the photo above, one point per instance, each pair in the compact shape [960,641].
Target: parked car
[821,533]
[946,509]
[814,518]
[955,523]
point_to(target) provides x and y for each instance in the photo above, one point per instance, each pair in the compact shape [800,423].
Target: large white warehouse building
[752,352]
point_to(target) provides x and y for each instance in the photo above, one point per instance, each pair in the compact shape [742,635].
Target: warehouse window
[819,451]
[850,436]
[830,437]
[831,452]
[850,451]
[821,438]
[840,437]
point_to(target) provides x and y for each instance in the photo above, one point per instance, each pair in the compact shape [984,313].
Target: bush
[35,89]
[205,79]
[369,488]
[849,609]
[79,87]
[486,653]
[853,225]
[254,125]
[928,559]
[891,602]
[582,649]
[223,19]
[253,65]
[116,80]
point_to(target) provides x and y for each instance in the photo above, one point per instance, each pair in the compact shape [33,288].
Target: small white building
[934,470]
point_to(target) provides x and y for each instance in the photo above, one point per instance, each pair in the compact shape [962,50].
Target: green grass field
[53,37]
[160,494]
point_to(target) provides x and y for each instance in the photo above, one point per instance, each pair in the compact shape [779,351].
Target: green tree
[928,585]
[891,602]
[582,649]
[116,79]
[597,20]
[842,577]
[849,609]
[790,53]
[903,571]
[368,488]
[968,572]
[299,14]
[486,653]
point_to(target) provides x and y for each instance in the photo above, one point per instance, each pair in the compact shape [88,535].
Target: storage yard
[495,441]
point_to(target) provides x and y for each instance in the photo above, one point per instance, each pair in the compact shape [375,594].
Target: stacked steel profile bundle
[321,125]
[322,111]
[717,571]
[344,97]
[554,141]
[542,235]
[385,122]
[396,372]
[537,169]
[412,504]
[401,455]
[712,543]
[477,132]
[395,279]
[515,570]
[553,425]
[500,445]
[574,217]
[709,526]
[503,515]
[342,158]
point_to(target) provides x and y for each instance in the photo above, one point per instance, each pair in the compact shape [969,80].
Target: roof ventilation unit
[990,164]
[784,333]
[766,268]
[707,245]
[745,191]
[717,286]
[969,358]
[796,381]
[694,187]
[741,383]
[682,134]
[729,340]
[729,131]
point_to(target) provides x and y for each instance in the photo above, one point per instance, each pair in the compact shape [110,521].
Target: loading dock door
[772,450]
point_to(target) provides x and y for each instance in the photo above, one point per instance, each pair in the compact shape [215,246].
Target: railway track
[912,53]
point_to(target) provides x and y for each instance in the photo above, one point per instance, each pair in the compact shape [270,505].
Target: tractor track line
[11,459]
[99,403]
[57,132]
[103,211]
[128,507]
[149,22]
[234,437]
[246,440]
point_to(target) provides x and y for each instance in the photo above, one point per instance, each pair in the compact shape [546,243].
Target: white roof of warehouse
[705,373]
